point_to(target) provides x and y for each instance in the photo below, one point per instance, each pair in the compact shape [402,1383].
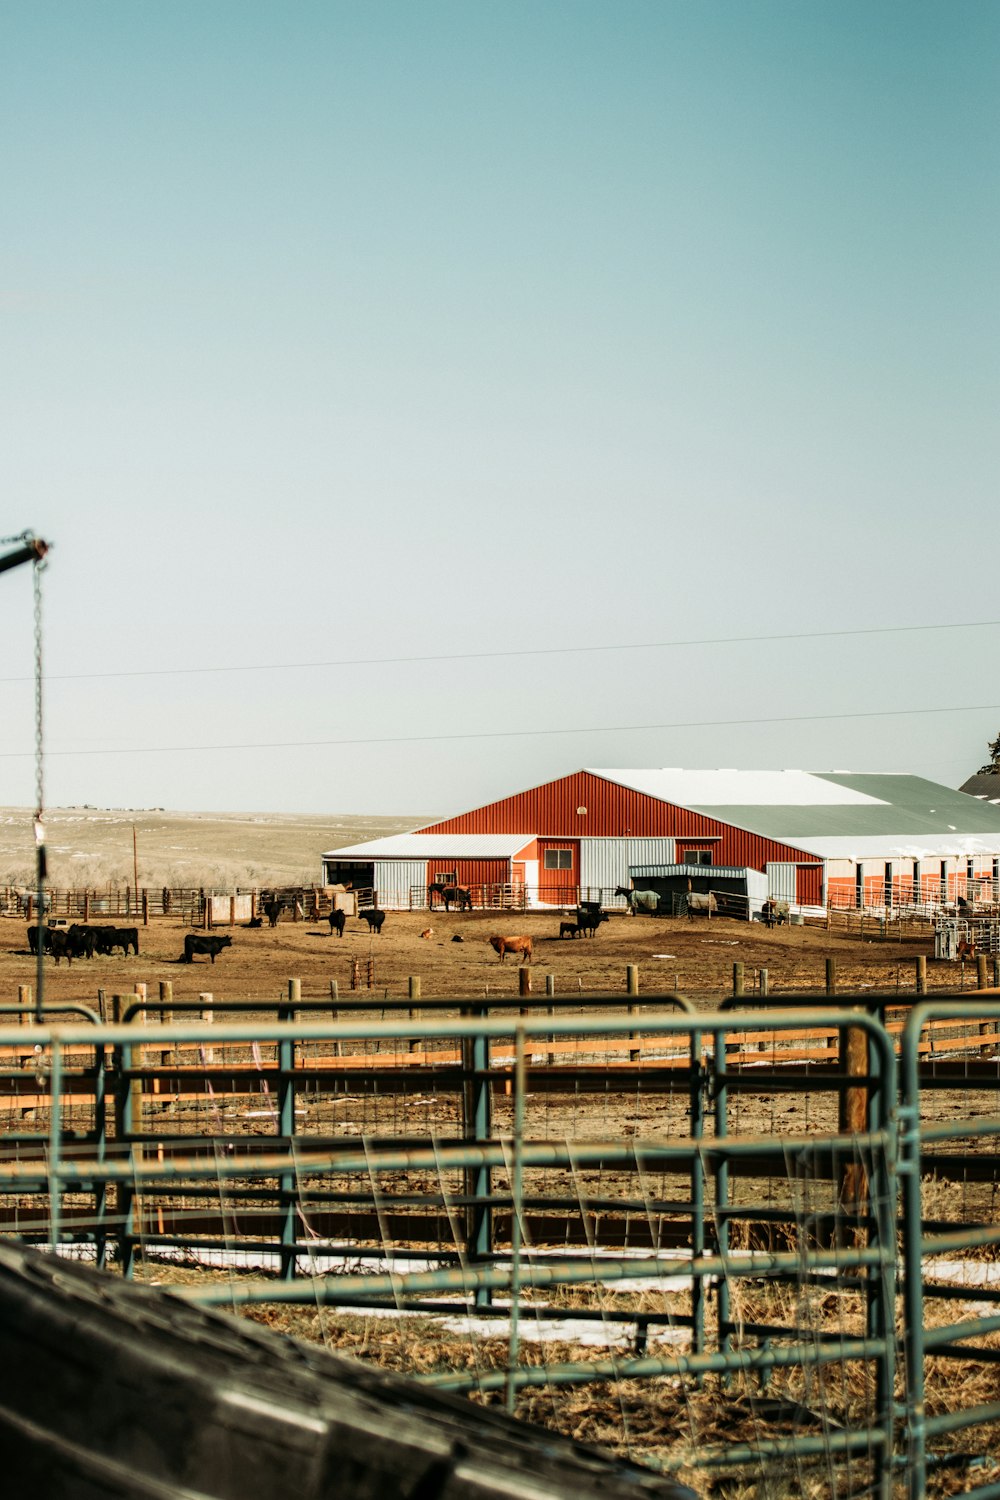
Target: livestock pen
[652,1224]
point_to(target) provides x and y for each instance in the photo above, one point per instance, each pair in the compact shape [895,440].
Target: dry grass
[668,1421]
[91,847]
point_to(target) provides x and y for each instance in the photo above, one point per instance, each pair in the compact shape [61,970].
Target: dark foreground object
[109,1389]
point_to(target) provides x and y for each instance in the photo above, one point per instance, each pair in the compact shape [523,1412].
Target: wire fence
[666,1217]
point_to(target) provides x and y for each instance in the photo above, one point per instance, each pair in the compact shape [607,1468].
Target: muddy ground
[694,957]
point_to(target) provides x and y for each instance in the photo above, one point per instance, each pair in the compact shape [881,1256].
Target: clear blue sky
[335,331]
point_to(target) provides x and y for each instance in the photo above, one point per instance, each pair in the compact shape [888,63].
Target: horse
[460,894]
[702,902]
[647,901]
[505,945]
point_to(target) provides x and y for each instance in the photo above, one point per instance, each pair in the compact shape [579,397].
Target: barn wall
[605,863]
[809,885]
[472,871]
[393,879]
[615,812]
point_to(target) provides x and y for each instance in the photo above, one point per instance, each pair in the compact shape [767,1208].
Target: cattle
[428,932]
[647,901]
[197,942]
[588,921]
[569,929]
[459,894]
[125,938]
[338,921]
[255,922]
[81,940]
[374,918]
[272,911]
[56,942]
[701,904]
[505,945]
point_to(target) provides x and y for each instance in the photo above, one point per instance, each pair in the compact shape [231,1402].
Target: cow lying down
[196,942]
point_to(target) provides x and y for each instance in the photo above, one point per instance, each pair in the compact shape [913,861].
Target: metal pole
[516,1211]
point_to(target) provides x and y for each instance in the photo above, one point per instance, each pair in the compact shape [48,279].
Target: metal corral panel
[605,863]
[703,872]
[393,879]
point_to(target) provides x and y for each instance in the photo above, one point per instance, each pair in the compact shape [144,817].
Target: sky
[424,399]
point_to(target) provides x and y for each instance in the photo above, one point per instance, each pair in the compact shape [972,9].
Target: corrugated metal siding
[614,812]
[393,879]
[781,881]
[605,863]
[809,885]
[480,871]
[558,886]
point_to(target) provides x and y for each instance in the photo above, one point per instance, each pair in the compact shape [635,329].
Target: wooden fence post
[413,990]
[24,999]
[208,1016]
[853,1121]
[920,978]
[831,976]
[145,907]
[762,982]
[981,980]
[524,980]
[737,978]
[632,987]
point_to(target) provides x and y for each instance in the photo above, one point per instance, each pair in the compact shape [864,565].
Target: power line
[509,734]
[393,661]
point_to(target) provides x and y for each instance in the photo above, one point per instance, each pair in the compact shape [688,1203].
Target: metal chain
[39,738]
[36,572]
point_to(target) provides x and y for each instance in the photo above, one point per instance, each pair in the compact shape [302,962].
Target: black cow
[272,911]
[374,918]
[569,929]
[81,940]
[338,921]
[196,942]
[56,942]
[123,938]
[589,921]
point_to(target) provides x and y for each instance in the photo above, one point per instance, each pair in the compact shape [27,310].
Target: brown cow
[505,945]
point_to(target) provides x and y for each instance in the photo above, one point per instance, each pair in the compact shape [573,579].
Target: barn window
[558,859]
[698,857]
[444,877]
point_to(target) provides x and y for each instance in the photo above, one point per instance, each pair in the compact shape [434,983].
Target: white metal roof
[739,788]
[436,846]
[921,846]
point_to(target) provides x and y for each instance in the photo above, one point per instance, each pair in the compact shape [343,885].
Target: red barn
[864,839]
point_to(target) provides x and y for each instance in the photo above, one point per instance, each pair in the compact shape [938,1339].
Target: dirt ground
[693,957]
